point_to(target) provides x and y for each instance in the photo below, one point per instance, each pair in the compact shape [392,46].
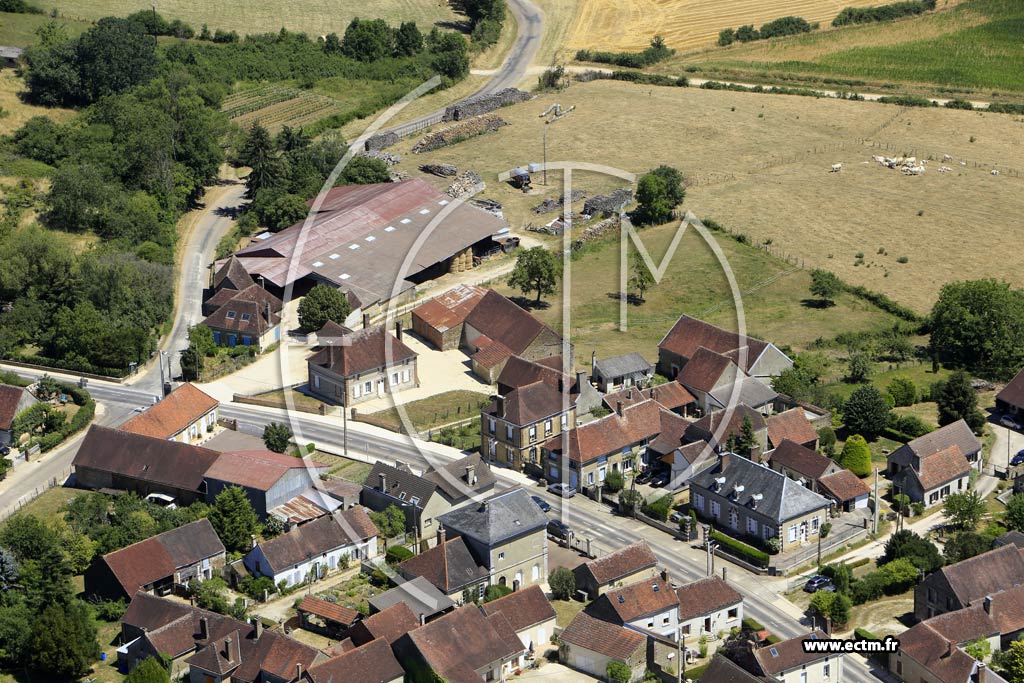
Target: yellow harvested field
[311,16]
[759,164]
[17,111]
[684,24]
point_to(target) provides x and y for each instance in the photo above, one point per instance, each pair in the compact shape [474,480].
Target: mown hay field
[975,44]
[759,164]
[244,16]
[684,24]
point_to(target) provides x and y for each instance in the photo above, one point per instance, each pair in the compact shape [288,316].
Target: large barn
[360,237]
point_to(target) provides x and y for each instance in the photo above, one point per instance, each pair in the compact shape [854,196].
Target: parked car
[559,529]
[1009,422]
[645,477]
[5,450]
[541,503]
[1019,458]
[659,480]
[675,517]
[819,583]
[563,490]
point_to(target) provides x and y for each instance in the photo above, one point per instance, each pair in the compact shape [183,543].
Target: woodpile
[441,170]
[608,203]
[458,132]
[380,141]
[476,106]
[467,183]
[551,204]
[389,159]
[596,231]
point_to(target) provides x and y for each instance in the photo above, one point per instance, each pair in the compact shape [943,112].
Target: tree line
[784,26]
[895,10]
[656,52]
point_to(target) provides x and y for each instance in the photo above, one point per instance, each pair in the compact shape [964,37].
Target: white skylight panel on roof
[318,264]
[406,221]
[353,246]
[424,212]
[335,257]
[370,238]
[390,228]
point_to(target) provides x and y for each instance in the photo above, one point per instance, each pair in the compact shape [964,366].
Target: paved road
[530,21]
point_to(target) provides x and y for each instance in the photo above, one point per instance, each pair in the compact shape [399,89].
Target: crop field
[975,44]
[276,106]
[311,16]
[684,24]
[759,164]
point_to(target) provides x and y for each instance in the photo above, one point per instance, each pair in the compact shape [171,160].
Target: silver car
[563,490]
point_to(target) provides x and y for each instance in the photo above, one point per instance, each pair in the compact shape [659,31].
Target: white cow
[836,168]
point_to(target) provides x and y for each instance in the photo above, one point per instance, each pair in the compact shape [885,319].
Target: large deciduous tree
[978,325]
[866,412]
[957,400]
[63,642]
[825,285]
[276,437]
[536,270]
[321,304]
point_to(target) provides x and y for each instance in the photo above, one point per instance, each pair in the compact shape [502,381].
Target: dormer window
[401,496]
[245,317]
[231,315]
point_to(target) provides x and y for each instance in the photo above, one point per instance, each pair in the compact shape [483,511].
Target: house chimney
[383,482]
[593,363]
[950,648]
[654,393]
[618,408]
[561,385]
[441,534]
[268,314]
[665,575]
[204,629]
[581,377]
[227,650]
[499,401]
[423,618]
[988,604]
[470,475]
[257,625]
[252,541]
[366,320]
[298,671]
[398,330]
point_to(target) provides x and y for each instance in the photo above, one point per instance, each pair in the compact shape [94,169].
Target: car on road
[559,529]
[819,583]
[563,490]
[541,503]
[1009,422]
[1019,458]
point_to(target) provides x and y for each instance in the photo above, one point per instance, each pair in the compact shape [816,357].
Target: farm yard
[939,48]
[684,24]
[759,164]
[309,16]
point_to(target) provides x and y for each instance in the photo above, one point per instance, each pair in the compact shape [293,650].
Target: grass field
[941,48]
[20,29]
[17,111]
[310,16]
[759,164]
[429,413]
[684,24]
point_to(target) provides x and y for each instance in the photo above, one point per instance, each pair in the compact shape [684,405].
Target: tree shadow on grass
[817,303]
[530,304]
[631,299]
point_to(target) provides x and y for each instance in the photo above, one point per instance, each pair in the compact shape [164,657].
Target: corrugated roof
[624,365]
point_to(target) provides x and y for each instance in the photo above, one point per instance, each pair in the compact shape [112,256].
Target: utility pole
[344,429]
[874,525]
[680,661]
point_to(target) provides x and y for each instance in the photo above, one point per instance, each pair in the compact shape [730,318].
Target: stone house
[588,644]
[969,582]
[449,567]
[648,606]
[801,464]
[513,427]
[362,366]
[635,562]
[187,414]
[506,534]
[757,358]
[933,466]
[13,400]
[270,480]
[250,317]
[620,372]
[787,661]
[529,613]
[161,564]
[747,499]
[708,606]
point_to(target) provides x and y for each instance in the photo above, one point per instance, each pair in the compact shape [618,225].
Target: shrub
[658,508]
[613,482]
[745,552]
[895,10]
[903,391]
[856,456]
[496,591]
[618,672]
[656,52]
[396,554]
[563,583]
[254,587]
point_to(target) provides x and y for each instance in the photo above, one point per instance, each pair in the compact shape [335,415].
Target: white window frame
[698,501]
[406,375]
[368,387]
[794,530]
[508,432]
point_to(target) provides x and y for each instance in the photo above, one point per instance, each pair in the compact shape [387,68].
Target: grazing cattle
[836,168]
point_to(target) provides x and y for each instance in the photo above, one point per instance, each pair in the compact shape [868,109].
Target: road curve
[530,21]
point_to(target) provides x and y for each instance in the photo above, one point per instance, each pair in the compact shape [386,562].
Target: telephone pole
[874,526]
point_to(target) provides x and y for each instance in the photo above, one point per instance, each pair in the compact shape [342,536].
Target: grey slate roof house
[935,465]
[422,597]
[450,567]
[749,499]
[425,497]
[626,370]
[506,533]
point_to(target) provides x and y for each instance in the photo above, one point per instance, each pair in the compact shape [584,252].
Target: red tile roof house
[588,644]
[932,466]
[316,548]
[187,414]
[708,606]
[364,365]
[716,381]
[967,583]
[792,424]
[801,464]
[370,663]
[648,606]
[635,562]
[763,359]
[615,442]
[440,319]
[168,561]
[120,460]
[464,646]
[13,400]
[529,613]
[209,644]
[270,480]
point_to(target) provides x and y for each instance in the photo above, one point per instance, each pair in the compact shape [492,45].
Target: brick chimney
[470,474]
[398,330]
[442,536]
[618,408]
[423,618]
[499,402]
[665,576]
[257,625]
[298,671]
[228,654]
[204,628]
[988,604]
[383,482]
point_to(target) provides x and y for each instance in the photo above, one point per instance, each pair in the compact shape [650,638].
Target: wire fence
[28,497]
